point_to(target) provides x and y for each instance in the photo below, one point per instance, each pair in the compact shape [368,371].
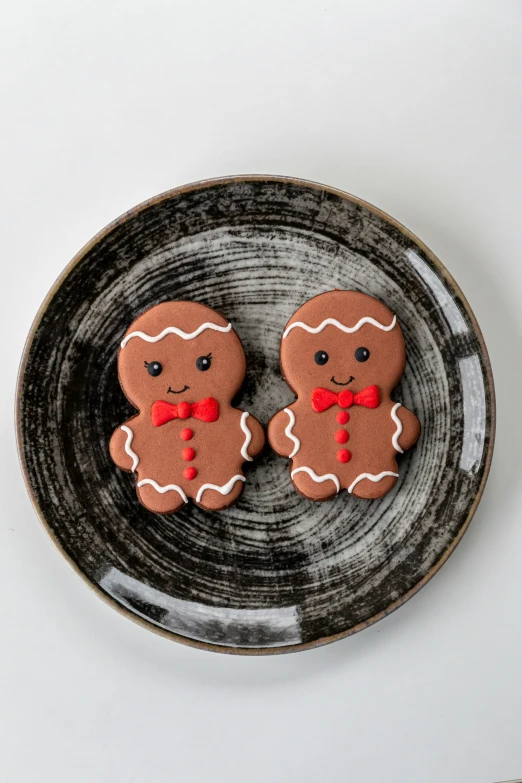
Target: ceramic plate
[275,572]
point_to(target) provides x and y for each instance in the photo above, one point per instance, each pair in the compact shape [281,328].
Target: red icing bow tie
[204,410]
[322,399]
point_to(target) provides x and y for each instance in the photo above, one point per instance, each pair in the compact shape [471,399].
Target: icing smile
[178,391]
[339,383]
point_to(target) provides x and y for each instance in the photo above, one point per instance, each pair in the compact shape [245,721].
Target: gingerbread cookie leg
[215,498]
[161,500]
[314,487]
[371,486]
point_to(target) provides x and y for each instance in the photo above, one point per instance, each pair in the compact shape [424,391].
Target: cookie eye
[321,357]
[362,354]
[203,362]
[153,368]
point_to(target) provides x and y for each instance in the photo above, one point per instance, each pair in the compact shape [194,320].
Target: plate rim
[193,187]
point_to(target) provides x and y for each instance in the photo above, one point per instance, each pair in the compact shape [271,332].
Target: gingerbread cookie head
[177,350]
[342,340]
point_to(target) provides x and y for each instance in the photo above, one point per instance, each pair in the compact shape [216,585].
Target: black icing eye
[321,357]
[153,368]
[362,354]
[203,362]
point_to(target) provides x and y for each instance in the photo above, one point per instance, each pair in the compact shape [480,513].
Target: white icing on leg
[290,434]
[161,489]
[226,489]
[130,435]
[342,327]
[398,431]
[174,330]
[248,437]
[319,479]
[371,477]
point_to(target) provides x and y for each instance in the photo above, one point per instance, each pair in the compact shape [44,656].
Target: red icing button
[184,410]
[343,417]
[341,436]
[186,434]
[343,455]
[188,454]
[190,473]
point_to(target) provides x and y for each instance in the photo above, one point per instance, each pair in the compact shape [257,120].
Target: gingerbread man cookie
[180,364]
[343,353]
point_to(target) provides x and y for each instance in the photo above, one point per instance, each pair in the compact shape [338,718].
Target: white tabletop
[415,107]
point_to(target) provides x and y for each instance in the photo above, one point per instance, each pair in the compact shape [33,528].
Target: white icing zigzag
[290,434]
[371,477]
[129,433]
[226,489]
[313,475]
[248,437]
[342,327]
[162,490]
[398,431]
[174,330]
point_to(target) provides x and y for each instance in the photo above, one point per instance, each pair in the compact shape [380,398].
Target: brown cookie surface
[343,353]
[180,364]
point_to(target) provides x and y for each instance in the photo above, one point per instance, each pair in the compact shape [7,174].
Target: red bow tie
[204,410]
[322,399]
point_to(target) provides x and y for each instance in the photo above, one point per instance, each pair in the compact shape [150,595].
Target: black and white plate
[275,572]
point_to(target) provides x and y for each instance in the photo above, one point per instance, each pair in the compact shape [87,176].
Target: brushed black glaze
[274,570]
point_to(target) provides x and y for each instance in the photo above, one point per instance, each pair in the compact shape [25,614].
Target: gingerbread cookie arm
[120,447]
[280,433]
[407,428]
[254,436]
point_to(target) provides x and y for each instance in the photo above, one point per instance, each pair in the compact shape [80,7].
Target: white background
[416,107]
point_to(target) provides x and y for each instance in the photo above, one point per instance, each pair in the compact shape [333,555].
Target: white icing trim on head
[398,431]
[162,490]
[174,330]
[248,437]
[226,489]
[342,327]
[130,435]
[313,475]
[372,477]
[290,434]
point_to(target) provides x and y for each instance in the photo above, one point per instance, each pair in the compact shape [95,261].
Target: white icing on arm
[161,489]
[372,477]
[398,431]
[290,434]
[342,327]
[248,437]
[313,475]
[174,330]
[226,489]
[130,435]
